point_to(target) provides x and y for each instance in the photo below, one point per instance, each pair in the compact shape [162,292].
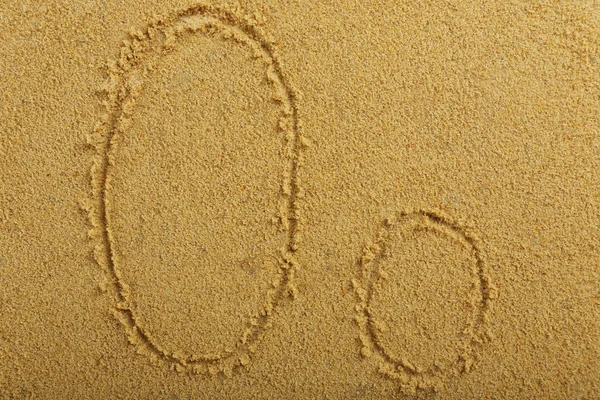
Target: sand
[299,200]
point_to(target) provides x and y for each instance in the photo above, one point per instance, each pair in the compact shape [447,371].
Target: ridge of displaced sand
[124,84]
[410,375]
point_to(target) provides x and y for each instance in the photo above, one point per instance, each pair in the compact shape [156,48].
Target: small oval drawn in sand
[423,299]
[195,186]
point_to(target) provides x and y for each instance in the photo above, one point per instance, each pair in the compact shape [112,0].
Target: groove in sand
[402,367]
[124,84]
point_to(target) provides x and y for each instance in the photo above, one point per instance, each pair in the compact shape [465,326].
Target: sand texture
[299,200]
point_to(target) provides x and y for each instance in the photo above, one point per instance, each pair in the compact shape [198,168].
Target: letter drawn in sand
[117,229]
[423,299]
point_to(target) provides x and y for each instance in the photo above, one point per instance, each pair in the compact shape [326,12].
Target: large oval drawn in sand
[198,182]
[423,297]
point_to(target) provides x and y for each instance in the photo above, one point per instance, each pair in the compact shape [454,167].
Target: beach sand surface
[299,200]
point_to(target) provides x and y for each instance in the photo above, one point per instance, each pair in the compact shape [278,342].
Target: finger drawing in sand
[423,299]
[220,202]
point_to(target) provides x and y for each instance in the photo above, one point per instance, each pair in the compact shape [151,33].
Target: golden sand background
[299,199]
